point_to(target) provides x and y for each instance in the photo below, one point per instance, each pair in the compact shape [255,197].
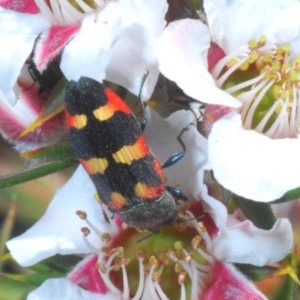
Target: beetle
[107,139]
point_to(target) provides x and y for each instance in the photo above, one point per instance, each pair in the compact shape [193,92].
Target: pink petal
[15,119]
[201,213]
[227,283]
[22,6]
[51,43]
[215,53]
[86,275]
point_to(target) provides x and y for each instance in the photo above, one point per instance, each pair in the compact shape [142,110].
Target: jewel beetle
[107,139]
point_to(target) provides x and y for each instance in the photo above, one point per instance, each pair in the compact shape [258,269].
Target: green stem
[36,172]
[259,213]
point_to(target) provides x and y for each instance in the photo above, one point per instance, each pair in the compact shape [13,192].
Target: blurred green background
[20,207]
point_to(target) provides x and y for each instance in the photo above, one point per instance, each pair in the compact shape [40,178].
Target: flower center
[265,79]
[169,264]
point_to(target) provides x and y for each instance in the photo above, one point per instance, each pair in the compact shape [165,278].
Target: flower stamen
[266,80]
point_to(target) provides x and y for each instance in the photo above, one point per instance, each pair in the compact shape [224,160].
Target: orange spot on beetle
[76,121]
[114,104]
[145,191]
[117,201]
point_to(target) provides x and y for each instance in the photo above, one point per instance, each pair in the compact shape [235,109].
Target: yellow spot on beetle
[95,165]
[127,154]
[104,113]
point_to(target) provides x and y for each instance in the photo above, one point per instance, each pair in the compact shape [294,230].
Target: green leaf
[289,290]
[12,290]
[60,263]
[35,279]
[259,213]
[289,196]
[256,273]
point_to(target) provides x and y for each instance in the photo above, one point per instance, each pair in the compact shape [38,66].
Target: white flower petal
[285,27]
[64,289]
[134,53]
[252,165]
[88,53]
[186,64]
[120,44]
[162,136]
[245,243]
[59,229]
[234,23]
[17,36]
[242,242]
[215,209]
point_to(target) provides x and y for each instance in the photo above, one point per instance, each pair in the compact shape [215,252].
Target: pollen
[266,79]
[169,264]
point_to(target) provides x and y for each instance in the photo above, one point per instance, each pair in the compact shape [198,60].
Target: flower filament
[266,80]
[172,263]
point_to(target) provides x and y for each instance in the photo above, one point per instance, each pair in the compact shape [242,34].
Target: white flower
[58,231]
[253,150]
[113,40]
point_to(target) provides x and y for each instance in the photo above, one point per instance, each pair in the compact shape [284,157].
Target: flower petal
[254,19]
[255,246]
[65,289]
[15,119]
[227,283]
[134,53]
[59,229]
[24,6]
[187,63]
[86,43]
[250,164]
[19,31]
[50,44]
[111,41]
[86,274]
[162,135]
